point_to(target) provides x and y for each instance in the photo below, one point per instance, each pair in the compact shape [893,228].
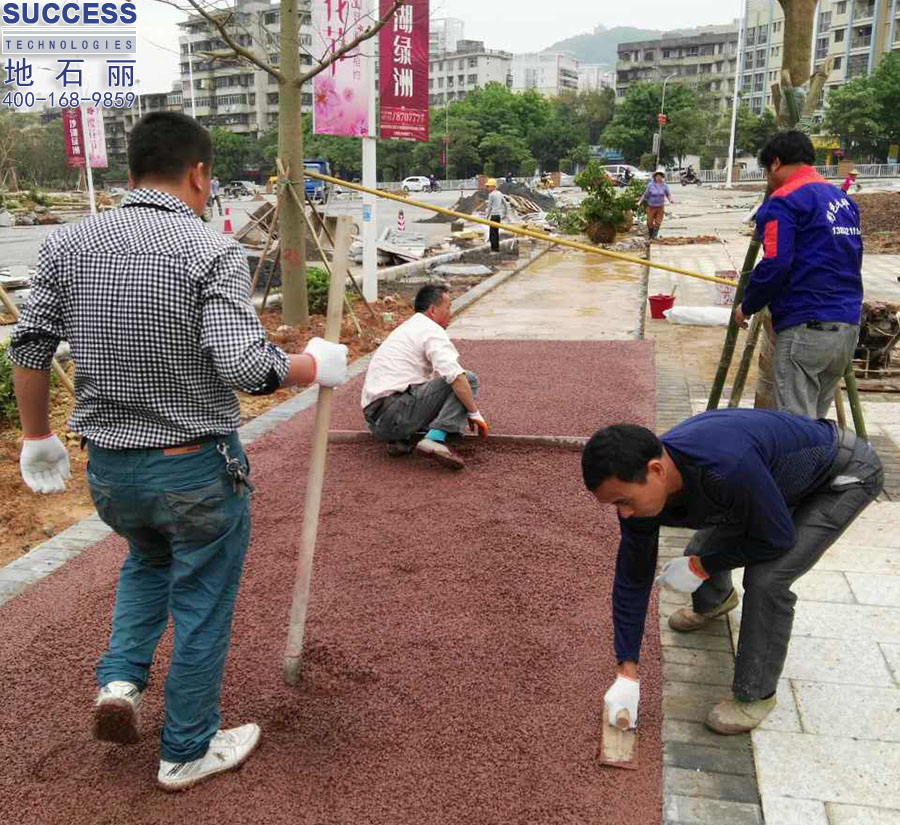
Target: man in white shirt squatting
[415,383]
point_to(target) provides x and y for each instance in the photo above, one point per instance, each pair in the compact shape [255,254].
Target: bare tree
[292,232]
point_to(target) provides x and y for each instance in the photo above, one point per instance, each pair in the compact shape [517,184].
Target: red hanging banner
[74,136]
[403,71]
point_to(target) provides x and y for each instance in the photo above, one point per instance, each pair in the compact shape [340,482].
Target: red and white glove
[683,575]
[625,694]
[44,464]
[331,362]
[477,423]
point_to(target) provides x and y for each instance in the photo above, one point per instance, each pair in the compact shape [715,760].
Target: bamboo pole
[13,310]
[262,258]
[839,406]
[740,377]
[731,335]
[859,423]
[517,230]
[327,233]
[300,602]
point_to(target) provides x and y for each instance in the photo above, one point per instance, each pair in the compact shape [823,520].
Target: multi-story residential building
[231,93]
[118,122]
[705,58]
[451,76]
[443,35]
[594,76]
[548,73]
[855,33]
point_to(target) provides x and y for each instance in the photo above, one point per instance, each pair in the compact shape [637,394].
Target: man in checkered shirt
[155,308]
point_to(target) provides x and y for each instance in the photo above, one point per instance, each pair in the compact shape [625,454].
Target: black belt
[196,442]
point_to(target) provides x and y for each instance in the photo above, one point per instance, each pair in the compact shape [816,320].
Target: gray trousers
[767,615]
[808,365]
[432,405]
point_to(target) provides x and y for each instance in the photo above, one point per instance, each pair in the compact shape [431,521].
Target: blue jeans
[187,530]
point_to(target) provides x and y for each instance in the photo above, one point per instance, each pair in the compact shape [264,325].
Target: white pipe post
[734,103]
[369,205]
[86,141]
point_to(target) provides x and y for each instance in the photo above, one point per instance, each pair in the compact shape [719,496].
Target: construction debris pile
[526,203]
[879,332]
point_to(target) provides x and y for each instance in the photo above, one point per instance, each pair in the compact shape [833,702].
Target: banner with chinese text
[340,93]
[96,137]
[403,71]
[74,137]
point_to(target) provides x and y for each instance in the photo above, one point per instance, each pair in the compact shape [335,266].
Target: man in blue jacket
[769,492]
[810,276]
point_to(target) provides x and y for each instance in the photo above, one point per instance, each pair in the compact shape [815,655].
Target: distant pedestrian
[655,196]
[810,276]
[497,210]
[215,195]
[849,181]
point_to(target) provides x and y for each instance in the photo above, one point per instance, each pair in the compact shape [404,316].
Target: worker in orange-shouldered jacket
[810,276]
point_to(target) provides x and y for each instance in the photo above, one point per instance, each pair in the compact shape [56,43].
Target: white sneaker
[116,713]
[229,749]
[441,453]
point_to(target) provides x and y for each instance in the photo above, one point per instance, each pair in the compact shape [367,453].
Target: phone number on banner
[69,100]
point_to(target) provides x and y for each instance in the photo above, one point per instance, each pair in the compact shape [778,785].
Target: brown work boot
[440,453]
[687,619]
[733,716]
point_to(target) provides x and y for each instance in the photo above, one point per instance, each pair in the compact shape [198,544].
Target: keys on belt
[235,469]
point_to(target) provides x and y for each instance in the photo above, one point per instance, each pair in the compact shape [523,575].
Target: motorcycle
[687,178]
[433,187]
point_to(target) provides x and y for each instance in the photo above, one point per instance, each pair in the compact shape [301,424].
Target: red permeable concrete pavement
[458,643]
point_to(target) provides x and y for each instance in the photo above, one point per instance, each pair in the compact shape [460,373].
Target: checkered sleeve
[231,332]
[40,327]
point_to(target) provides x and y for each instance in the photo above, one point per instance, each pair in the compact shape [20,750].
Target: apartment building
[548,73]
[453,75]
[443,35]
[705,58]
[230,93]
[595,76]
[855,33]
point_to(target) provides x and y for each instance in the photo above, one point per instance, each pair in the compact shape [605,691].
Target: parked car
[416,183]
[620,172]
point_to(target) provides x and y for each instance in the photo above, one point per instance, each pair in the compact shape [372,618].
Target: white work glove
[624,694]
[478,424]
[44,464]
[331,362]
[683,575]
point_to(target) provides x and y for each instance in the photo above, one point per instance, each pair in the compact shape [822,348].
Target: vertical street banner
[96,137]
[340,93]
[74,137]
[403,71]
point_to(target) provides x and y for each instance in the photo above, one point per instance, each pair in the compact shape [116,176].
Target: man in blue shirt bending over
[768,491]
[810,276]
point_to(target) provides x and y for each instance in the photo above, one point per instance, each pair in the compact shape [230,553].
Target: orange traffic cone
[228,230]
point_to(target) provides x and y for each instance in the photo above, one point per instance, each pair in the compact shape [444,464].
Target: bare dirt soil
[30,519]
[880,218]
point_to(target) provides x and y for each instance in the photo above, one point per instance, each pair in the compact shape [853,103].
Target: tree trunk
[292,234]
[799,19]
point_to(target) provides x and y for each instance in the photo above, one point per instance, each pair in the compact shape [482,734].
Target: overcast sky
[513,25]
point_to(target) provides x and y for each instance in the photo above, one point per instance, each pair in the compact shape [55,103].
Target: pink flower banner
[403,71]
[340,104]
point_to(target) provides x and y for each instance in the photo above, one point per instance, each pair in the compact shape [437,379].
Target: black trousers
[495,234]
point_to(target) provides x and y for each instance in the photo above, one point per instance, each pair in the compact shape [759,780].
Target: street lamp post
[662,111]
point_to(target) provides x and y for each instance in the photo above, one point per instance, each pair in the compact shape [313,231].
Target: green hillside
[600,46]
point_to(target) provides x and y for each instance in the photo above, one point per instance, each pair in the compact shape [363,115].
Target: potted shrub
[604,211]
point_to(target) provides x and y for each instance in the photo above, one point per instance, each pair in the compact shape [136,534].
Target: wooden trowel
[618,743]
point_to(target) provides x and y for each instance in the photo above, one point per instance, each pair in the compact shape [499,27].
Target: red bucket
[659,304]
